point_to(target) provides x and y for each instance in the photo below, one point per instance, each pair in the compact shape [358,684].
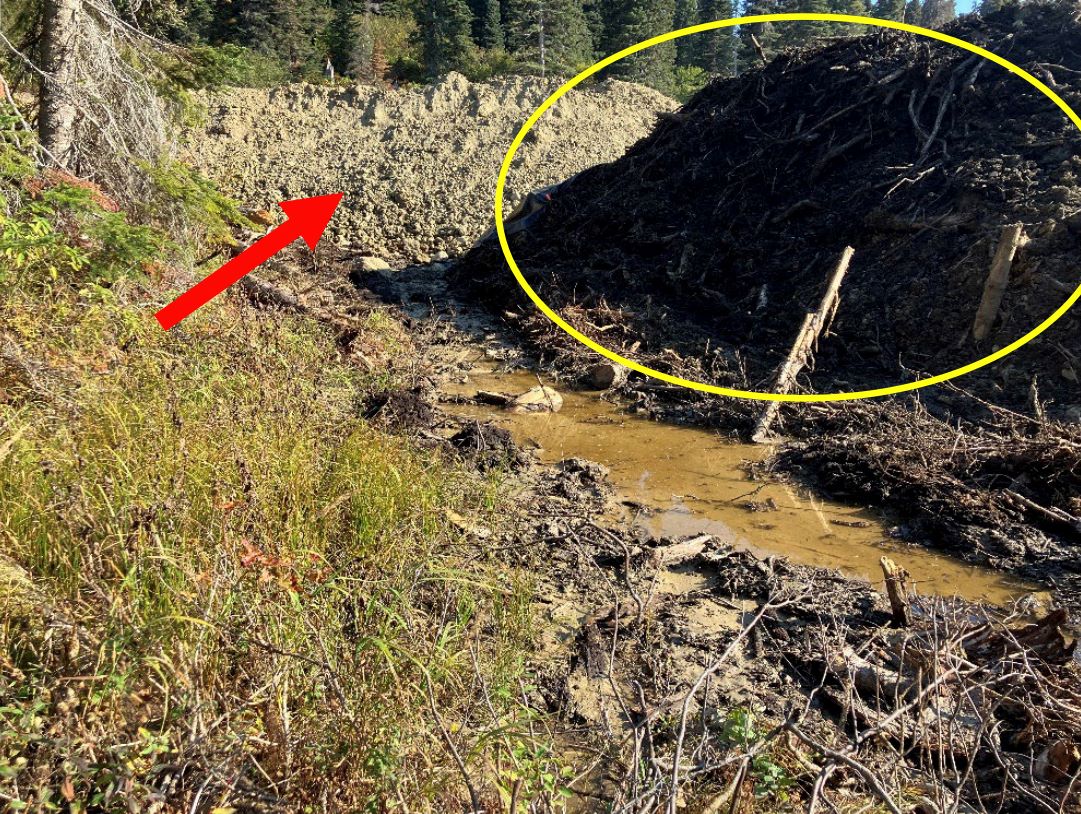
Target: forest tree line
[266,42]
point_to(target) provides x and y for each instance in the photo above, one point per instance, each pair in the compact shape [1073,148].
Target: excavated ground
[715,235]
[650,646]
[702,249]
[417,166]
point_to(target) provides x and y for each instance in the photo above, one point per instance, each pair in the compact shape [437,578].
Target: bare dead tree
[99,116]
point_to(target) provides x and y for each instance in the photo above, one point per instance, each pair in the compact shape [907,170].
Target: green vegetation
[742,733]
[218,583]
[255,42]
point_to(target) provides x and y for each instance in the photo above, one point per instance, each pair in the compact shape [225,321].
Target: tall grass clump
[220,588]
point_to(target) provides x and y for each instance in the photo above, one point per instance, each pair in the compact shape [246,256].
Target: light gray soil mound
[419,166]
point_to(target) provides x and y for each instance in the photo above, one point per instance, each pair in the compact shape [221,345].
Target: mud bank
[675,481]
[684,671]
[700,252]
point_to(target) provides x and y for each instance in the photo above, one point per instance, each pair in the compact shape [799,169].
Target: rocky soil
[418,166]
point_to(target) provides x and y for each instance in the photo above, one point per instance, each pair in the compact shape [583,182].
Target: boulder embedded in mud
[606,375]
[373,264]
[541,399]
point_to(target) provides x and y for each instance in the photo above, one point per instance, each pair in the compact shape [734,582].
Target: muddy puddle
[677,481]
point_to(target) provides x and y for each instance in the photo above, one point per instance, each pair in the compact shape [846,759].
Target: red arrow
[306,217]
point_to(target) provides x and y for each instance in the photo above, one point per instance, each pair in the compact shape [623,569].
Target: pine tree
[444,33]
[913,12]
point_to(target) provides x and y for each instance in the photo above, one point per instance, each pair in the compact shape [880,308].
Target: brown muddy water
[685,480]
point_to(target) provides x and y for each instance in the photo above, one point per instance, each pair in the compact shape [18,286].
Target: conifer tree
[687,48]
[341,35]
[890,10]
[937,13]
[768,35]
[492,32]
[716,53]
[287,29]
[361,61]
[443,30]
[654,66]
[552,36]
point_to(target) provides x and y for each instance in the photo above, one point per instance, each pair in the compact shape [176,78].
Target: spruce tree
[890,10]
[687,48]
[361,60]
[341,35]
[769,36]
[287,29]
[443,30]
[551,36]
[492,33]
[654,66]
[716,52]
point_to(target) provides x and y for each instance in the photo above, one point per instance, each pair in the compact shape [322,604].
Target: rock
[373,264]
[440,257]
[537,400]
[606,375]
[586,472]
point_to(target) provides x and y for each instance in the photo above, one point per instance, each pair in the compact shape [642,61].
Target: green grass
[221,586]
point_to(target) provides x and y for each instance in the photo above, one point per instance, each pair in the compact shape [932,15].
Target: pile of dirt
[714,236]
[417,166]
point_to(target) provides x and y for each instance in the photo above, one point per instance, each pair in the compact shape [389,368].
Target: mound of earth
[713,237]
[418,166]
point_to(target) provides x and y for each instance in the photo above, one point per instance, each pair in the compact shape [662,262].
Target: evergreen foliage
[254,42]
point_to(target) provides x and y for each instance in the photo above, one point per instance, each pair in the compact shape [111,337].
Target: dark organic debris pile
[714,236]
[1004,492]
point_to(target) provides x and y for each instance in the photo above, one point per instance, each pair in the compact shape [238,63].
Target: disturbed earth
[417,166]
[716,234]
[768,685]
[673,664]
[701,250]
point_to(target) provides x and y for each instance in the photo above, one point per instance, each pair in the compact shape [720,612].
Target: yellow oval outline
[755,394]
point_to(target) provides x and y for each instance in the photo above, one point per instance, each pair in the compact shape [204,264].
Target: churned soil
[417,166]
[701,250]
[712,237]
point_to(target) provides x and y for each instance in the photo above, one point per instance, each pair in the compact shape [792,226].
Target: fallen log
[806,340]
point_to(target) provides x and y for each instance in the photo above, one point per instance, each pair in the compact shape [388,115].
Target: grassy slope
[218,586]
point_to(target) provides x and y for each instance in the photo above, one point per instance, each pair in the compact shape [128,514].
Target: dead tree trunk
[896,590]
[998,278]
[56,119]
[813,325]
